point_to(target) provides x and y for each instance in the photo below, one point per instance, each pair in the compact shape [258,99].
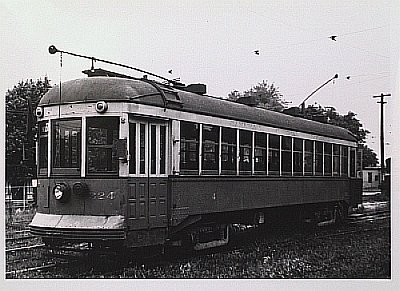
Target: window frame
[43,147]
[229,150]
[298,156]
[190,148]
[62,170]
[109,148]
[274,150]
[287,156]
[309,154]
[245,152]
[260,153]
[210,149]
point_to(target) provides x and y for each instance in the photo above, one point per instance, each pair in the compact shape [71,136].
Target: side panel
[146,211]
[147,203]
[202,195]
[103,197]
[158,202]
[43,195]
[138,204]
[355,192]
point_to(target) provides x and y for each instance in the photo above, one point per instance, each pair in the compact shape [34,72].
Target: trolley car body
[135,163]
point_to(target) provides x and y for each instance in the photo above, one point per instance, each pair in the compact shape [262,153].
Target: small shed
[371,178]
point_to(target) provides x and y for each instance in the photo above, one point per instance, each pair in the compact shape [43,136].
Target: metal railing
[19,200]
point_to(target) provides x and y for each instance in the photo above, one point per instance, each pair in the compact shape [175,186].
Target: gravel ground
[364,253]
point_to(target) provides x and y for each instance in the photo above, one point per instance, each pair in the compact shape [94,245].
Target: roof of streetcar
[148,92]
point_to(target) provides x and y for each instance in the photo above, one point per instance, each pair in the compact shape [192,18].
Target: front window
[43,147]
[102,136]
[67,146]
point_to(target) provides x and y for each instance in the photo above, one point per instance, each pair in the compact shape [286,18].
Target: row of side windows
[213,150]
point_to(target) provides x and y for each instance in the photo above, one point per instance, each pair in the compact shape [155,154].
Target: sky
[213,42]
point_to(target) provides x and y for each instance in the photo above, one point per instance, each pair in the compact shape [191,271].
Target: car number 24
[102,195]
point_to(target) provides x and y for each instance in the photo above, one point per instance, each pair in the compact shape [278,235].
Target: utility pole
[382,102]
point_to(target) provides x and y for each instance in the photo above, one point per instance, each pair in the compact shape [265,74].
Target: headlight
[61,192]
[39,112]
[101,107]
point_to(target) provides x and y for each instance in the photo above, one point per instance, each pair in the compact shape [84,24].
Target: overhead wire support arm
[302,104]
[53,50]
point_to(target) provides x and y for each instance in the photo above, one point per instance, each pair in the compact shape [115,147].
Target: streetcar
[130,162]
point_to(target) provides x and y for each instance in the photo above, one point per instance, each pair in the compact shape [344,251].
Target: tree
[262,95]
[21,103]
[348,121]
[369,157]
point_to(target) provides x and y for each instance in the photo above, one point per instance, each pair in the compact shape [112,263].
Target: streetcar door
[148,166]
[158,140]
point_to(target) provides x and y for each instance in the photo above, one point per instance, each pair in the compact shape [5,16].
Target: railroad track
[19,235]
[23,259]
[381,215]
[74,262]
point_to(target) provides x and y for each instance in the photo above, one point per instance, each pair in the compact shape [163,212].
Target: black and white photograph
[200,144]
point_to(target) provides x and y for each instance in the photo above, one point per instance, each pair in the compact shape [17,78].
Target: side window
[142,148]
[163,149]
[228,151]
[132,148]
[245,152]
[260,153]
[352,162]
[286,155]
[102,135]
[298,156]
[273,154]
[308,157]
[369,177]
[345,161]
[210,149]
[318,158]
[336,160]
[153,149]
[327,159]
[67,146]
[189,138]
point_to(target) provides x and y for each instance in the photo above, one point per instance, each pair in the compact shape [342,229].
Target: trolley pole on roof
[303,103]
[382,102]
